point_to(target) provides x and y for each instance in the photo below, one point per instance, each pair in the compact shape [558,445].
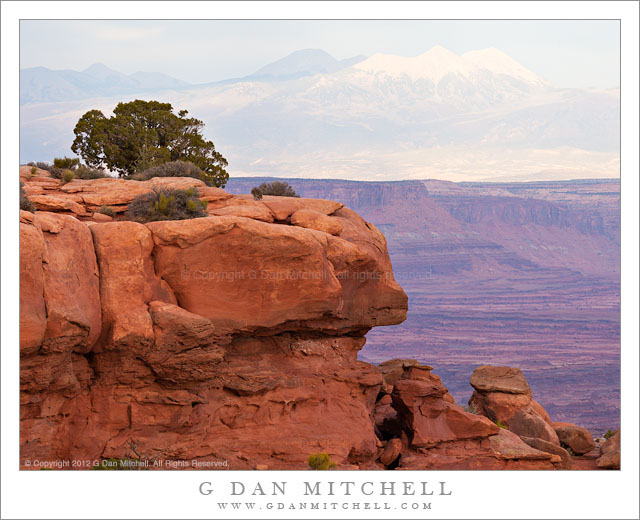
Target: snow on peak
[498,62]
[437,62]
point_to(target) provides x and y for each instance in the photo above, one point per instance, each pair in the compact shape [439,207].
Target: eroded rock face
[250,275]
[430,420]
[128,349]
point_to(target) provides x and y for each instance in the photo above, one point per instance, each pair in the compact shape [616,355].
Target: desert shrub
[66,163]
[167,204]
[67,176]
[321,461]
[55,172]
[40,164]
[84,172]
[25,203]
[106,210]
[609,434]
[174,169]
[278,188]
[257,193]
[60,165]
[33,170]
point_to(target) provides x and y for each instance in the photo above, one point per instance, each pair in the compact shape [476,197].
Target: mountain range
[40,84]
[476,116]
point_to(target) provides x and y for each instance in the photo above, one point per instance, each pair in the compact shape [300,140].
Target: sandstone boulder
[71,284]
[510,446]
[391,451]
[610,453]
[386,418]
[527,423]
[127,284]
[537,407]
[498,406]
[499,379]
[577,438]
[500,392]
[311,219]
[283,207]
[429,419]
[257,211]
[393,369]
[100,217]
[549,447]
[55,203]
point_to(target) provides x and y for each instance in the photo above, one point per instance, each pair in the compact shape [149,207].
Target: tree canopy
[143,134]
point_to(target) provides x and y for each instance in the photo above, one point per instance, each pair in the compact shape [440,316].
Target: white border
[175,494]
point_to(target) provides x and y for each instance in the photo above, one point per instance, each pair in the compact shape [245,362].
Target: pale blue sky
[568,53]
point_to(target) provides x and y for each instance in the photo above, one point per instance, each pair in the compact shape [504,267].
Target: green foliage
[175,169]
[167,204]
[33,170]
[80,171]
[106,210]
[144,134]
[278,188]
[257,193]
[25,203]
[320,461]
[67,176]
[500,424]
[85,172]
[66,163]
[609,434]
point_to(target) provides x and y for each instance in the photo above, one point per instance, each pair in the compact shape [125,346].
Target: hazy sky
[568,53]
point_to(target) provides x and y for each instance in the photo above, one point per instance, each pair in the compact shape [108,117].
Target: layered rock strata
[230,338]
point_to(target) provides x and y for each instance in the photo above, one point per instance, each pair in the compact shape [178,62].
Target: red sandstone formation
[610,453]
[532,423]
[230,337]
[226,337]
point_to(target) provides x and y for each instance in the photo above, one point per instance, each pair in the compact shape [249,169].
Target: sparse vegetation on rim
[167,204]
[25,203]
[277,188]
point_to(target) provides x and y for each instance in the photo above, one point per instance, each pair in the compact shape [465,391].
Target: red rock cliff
[231,337]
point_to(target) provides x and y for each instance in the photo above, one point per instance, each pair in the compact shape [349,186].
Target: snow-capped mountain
[478,115]
[438,62]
